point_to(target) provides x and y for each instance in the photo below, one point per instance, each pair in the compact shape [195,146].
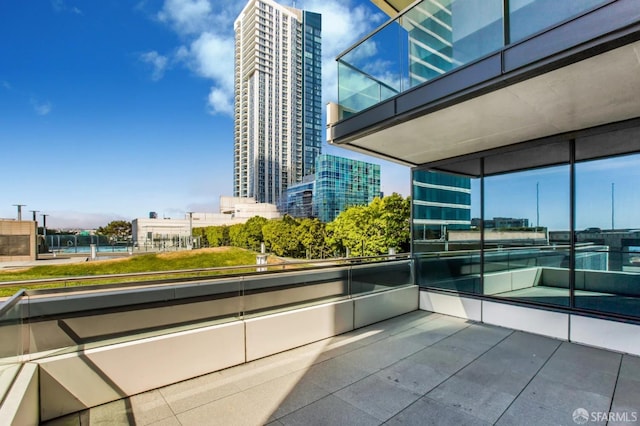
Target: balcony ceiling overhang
[392,7]
[601,89]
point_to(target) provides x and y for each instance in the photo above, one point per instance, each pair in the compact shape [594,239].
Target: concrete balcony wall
[275,333]
[606,334]
[86,378]
[380,306]
[83,379]
[20,405]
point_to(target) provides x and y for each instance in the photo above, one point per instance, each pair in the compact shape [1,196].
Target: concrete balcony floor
[420,368]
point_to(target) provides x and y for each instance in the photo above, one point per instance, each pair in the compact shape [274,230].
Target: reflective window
[608,235]
[527,17]
[444,239]
[520,262]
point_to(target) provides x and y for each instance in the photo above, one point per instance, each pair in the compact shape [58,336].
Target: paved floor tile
[586,369]
[443,360]
[381,354]
[627,395]
[525,412]
[427,412]
[235,409]
[415,377]
[332,411]
[286,394]
[335,374]
[193,393]
[563,397]
[485,402]
[143,409]
[378,397]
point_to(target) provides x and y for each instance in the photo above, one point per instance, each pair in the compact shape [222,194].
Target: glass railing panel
[373,71]
[383,276]
[277,292]
[457,271]
[99,318]
[428,40]
[11,329]
[608,281]
[11,341]
[527,17]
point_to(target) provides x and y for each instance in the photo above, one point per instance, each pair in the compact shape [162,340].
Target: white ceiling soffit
[599,90]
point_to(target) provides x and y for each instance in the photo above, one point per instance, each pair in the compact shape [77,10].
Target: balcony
[442,82]
[418,368]
[352,341]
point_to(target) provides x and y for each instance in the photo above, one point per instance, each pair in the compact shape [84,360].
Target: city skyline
[109,111]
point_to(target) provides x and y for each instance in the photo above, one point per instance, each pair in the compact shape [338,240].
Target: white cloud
[206,26]
[157,61]
[220,102]
[186,16]
[41,108]
[60,6]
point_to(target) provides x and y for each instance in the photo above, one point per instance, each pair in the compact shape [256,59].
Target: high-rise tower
[277,134]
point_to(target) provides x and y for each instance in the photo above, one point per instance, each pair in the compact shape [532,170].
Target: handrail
[11,302]
[324,262]
[368,76]
[375,31]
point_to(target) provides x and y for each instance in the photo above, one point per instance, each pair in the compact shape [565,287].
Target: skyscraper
[277,116]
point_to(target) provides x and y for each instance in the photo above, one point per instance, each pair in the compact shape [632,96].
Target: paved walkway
[417,369]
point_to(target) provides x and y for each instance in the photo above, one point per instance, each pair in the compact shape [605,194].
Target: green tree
[312,237]
[236,235]
[253,232]
[396,216]
[213,236]
[373,229]
[116,230]
[281,236]
[249,234]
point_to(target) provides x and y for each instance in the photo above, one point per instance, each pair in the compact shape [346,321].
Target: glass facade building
[342,183]
[531,107]
[277,109]
[300,198]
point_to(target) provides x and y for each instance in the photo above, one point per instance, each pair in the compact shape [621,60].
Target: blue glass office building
[342,183]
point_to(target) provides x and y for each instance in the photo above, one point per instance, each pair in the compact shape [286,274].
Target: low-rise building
[156,233]
[17,240]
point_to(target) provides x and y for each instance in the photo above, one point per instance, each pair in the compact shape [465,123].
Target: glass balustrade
[67,320]
[432,38]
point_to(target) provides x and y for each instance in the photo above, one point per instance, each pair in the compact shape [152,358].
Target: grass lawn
[202,258]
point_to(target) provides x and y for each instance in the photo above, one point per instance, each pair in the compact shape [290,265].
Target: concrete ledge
[270,334]
[537,321]
[612,335]
[72,382]
[377,307]
[20,406]
[457,306]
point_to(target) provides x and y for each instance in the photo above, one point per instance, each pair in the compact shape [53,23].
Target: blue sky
[111,109]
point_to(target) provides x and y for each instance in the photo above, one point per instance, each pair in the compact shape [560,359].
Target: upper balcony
[448,78]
